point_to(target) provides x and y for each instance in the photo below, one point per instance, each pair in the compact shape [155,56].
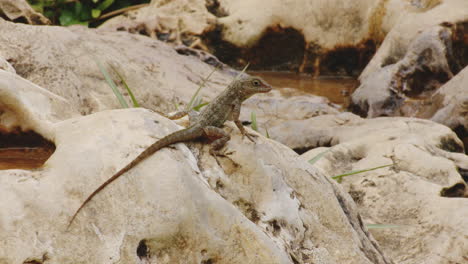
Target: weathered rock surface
[175,207]
[321,37]
[20,11]
[418,84]
[158,76]
[279,106]
[424,68]
[64,61]
[406,26]
[422,193]
[450,105]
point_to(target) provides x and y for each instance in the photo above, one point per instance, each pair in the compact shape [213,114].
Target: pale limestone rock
[428,160]
[158,76]
[17,95]
[423,69]
[19,10]
[287,104]
[172,18]
[308,36]
[174,207]
[406,26]
[453,99]
[6,66]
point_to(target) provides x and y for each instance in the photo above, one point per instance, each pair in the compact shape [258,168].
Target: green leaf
[67,17]
[253,118]
[78,9]
[122,79]
[95,13]
[86,13]
[111,83]
[105,4]
[338,177]
[319,156]
[381,226]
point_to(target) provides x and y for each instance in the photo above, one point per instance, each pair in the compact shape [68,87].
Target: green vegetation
[83,12]
[196,102]
[338,178]
[381,226]
[122,79]
[114,87]
[253,118]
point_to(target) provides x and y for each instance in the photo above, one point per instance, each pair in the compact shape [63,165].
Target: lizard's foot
[250,136]
[229,153]
[217,153]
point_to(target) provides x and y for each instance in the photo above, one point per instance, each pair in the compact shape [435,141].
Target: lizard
[207,123]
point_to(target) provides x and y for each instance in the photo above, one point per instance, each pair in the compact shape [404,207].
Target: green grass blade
[199,106]
[266,133]
[381,226]
[319,156]
[190,104]
[111,83]
[359,171]
[122,79]
[253,118]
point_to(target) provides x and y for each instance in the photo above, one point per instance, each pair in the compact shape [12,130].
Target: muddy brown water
[23,157]
[336,89]
[23,150]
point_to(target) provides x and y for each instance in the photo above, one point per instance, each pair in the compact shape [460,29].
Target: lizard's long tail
[188,134]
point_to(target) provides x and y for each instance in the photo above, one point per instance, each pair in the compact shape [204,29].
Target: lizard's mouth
[265,88]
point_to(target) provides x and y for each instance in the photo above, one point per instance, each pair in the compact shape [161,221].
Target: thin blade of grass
[253,118]
[190,104]
[319,156]
[198,107]
[266,133]
[359,171]
[111,83]
[240,73]
[134,101]
[381,226]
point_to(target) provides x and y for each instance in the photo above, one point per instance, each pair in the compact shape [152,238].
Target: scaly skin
[208,123]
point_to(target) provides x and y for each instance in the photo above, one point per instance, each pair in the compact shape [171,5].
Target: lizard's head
[252,85]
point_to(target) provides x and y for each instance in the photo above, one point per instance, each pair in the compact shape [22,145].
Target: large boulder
[320,37]
[450,105]
[65,61]
[181,205]
[424,68]
[419,204]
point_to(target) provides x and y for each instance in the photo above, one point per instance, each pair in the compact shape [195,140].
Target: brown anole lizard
[208,123]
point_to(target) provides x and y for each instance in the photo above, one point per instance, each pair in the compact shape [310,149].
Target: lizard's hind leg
[193,116]
[220,136]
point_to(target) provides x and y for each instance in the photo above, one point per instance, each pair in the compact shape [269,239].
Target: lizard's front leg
[220,136]
[235,117]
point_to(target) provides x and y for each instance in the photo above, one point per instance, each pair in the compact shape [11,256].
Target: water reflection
[336,89]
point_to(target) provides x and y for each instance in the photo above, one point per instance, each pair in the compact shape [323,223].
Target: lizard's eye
[256,83]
